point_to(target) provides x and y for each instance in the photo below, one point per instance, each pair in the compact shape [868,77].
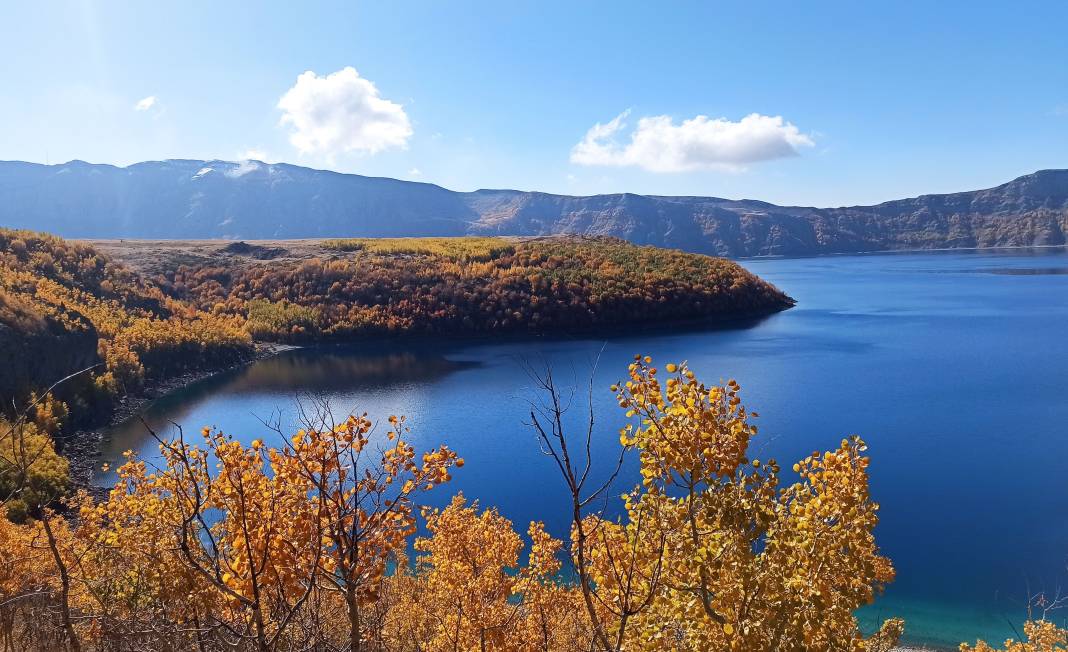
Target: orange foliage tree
[306,545]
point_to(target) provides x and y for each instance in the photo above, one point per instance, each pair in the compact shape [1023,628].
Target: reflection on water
[956,380]
[325,369]
[296,373]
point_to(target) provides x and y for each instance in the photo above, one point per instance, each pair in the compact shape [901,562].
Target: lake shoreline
[82,448]
[616,331]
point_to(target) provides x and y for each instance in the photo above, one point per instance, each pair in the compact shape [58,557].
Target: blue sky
[855,102]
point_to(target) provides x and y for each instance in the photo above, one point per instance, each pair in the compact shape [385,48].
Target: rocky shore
[82,447]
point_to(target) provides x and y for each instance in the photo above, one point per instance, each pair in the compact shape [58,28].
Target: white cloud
[255,154]
[658,144]
[146,103]
[342,112]
[415,172]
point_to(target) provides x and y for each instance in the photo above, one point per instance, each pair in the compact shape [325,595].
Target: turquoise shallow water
[952,365]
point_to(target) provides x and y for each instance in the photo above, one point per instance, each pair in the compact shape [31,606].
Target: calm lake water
[953,367]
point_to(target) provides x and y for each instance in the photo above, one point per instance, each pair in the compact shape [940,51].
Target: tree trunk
[64,583]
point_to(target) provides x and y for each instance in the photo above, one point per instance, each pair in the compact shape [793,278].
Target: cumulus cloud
[658,144]
[342,112]
[146,103]
[415,172]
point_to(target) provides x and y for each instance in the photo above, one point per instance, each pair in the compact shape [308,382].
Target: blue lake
[952,365]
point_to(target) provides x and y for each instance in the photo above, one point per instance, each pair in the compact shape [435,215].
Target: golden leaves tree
[365,507]
[711,552]
[305,545]
[1042,636]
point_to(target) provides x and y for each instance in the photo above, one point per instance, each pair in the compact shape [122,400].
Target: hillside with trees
[175,308]
[465,286]
[66,308]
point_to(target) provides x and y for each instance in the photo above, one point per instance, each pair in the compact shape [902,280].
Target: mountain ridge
[191,198]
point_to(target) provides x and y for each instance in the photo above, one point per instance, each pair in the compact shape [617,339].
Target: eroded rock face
[253,200]
[1030,211]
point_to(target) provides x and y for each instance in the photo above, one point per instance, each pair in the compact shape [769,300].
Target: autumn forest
[326,542]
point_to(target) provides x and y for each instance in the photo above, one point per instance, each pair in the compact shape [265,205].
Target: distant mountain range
[253,200]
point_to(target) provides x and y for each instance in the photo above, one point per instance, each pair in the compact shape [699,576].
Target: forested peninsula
[134,313]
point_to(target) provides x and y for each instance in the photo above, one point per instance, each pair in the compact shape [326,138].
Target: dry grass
[469,248]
